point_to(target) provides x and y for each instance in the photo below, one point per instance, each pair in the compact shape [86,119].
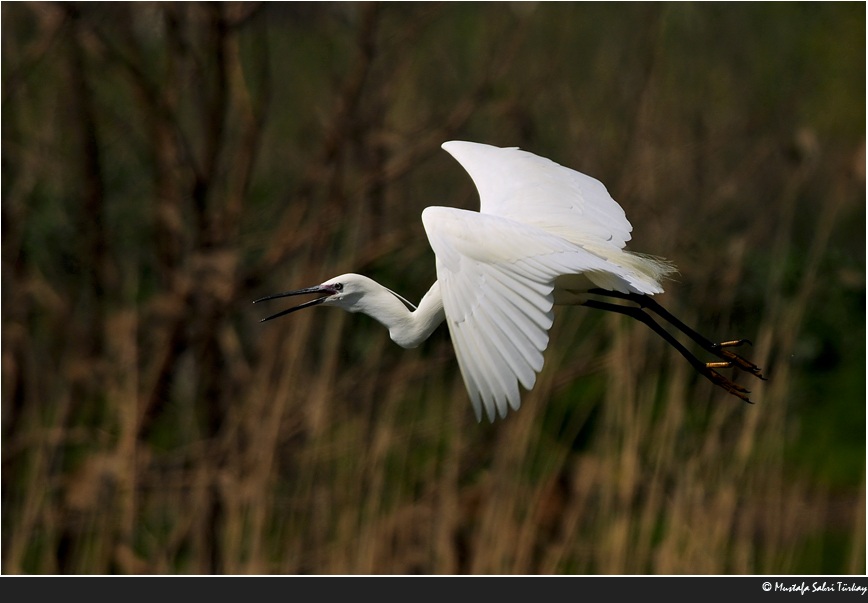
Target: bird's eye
[338,287]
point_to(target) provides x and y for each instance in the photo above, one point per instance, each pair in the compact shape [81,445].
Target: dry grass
[151,425]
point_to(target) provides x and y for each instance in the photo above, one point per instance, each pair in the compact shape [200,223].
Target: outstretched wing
[496,277]
[533,190]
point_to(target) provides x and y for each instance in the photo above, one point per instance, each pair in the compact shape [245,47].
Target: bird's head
[345,291]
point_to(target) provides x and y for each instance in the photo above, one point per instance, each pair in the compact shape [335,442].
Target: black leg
[704,369]
[718,349]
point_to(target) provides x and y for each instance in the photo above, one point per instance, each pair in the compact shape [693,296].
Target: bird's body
[545,234]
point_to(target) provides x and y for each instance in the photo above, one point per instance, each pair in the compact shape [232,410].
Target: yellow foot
[734,360]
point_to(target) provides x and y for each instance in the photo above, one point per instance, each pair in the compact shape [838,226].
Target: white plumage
[544,234]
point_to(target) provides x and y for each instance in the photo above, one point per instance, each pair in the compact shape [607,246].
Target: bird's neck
[407,329]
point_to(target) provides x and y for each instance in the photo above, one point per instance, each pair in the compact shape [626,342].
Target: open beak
[314,302]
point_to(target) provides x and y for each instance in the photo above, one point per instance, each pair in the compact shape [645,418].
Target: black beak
[318,289]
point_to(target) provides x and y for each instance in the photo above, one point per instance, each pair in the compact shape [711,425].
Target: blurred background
[165,164]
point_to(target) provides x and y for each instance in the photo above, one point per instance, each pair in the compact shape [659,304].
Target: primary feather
[498,268]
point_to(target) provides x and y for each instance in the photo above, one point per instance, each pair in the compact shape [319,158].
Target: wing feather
[497,281]
[534,190]
[497,267]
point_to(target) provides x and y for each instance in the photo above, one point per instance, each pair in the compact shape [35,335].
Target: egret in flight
[544,235]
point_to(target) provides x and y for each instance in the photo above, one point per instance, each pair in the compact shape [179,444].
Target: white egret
[544,235]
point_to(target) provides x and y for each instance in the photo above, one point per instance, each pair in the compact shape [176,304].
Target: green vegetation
[165,164]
